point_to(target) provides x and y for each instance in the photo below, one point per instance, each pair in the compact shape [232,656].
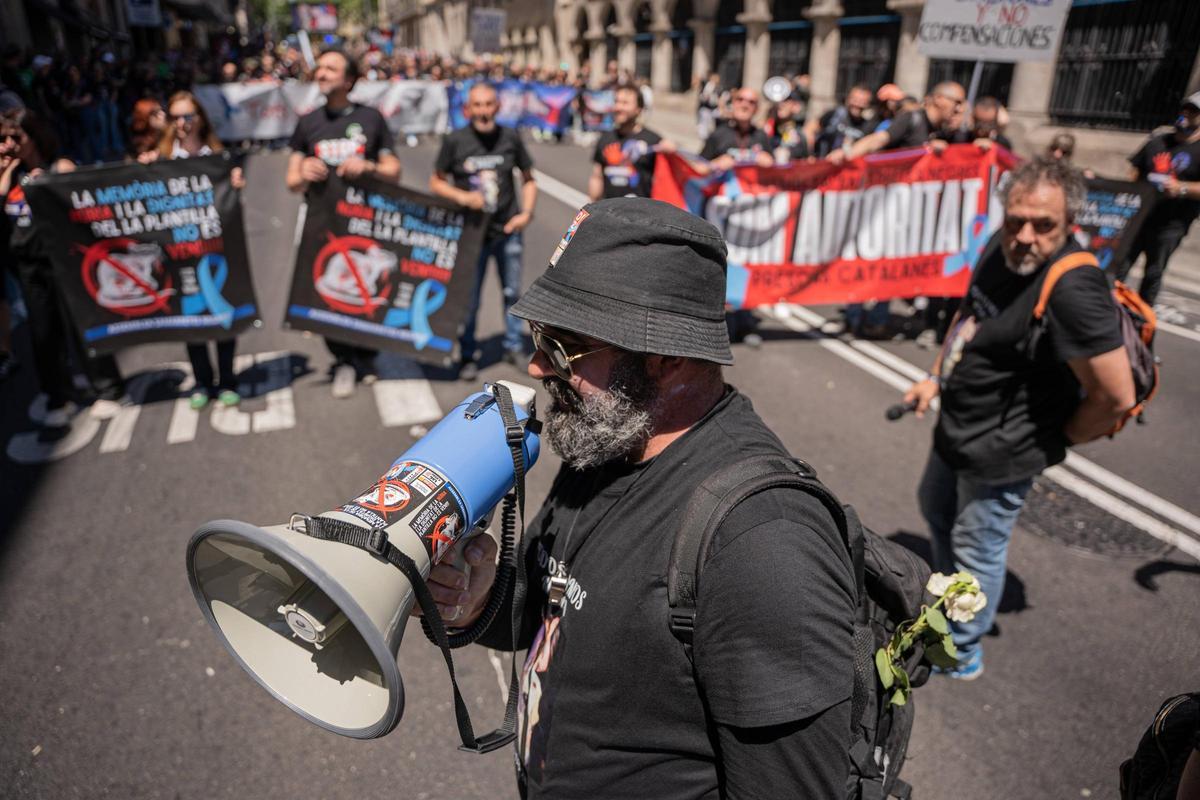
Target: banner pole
[976,76]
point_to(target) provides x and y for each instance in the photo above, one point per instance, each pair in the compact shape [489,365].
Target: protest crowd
[615,313]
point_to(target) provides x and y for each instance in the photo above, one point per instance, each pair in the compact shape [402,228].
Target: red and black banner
[898,224]
[148,252]
[384,267]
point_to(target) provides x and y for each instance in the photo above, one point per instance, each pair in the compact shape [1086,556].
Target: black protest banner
[384,267]
[1112,216]
[148,252]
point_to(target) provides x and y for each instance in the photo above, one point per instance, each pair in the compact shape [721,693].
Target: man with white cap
[628,321]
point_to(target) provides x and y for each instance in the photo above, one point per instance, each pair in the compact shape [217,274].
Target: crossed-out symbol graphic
[442,535]
[344,246]
[143,298]
[385,497]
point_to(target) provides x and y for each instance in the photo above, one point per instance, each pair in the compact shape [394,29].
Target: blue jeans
[971,524]
[507,251]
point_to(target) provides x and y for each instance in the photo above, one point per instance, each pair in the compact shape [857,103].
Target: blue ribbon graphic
[976,239]
[428,297]
[211,274]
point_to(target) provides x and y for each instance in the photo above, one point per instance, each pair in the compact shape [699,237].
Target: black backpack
[1157,765]
[890,580]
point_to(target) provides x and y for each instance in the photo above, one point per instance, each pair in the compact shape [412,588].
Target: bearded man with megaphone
[753,697]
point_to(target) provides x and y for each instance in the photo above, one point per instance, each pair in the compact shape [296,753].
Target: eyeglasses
[556,354]
[182,117]
[1014,224]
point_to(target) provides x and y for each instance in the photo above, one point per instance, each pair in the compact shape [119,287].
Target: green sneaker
[229,397]
[198,400]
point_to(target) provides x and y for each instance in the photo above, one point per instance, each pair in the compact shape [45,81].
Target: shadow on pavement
[1146,575]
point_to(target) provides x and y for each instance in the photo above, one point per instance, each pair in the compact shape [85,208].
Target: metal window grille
[643,57]
[730,55]
[789,52]
[994,82]
[867,55]
[681,67]
[1125,65]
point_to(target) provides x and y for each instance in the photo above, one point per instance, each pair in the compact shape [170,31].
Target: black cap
[640,274]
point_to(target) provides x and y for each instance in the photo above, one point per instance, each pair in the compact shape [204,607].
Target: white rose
[967,578]
[938,584]
[963,607]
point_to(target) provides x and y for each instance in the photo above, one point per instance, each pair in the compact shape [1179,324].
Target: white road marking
[806,320]
[1179,330]
[1118,508]
[184,421]
[27,448]
[560,191]
[119,432]
[402,394]
[280,413]
[1181,284]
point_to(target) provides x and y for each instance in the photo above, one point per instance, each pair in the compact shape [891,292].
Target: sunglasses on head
[556,353]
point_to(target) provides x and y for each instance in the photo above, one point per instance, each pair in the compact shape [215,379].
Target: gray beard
[1026,266]
[589,431]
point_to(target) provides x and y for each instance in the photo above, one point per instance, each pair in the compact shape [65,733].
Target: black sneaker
[517,358]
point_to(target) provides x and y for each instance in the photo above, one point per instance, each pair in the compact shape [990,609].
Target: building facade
[1123,65]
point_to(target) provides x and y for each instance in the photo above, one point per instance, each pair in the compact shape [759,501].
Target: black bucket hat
[640,274]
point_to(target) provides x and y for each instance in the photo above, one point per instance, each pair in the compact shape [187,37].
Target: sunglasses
[12,137]
[560,360]
[182,117]
[1043,225]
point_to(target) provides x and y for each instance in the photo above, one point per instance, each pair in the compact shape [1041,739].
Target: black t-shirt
[611,706]
[334,136]
[478,162]
[789,133]
[911,129]
[838,129]
[1003,406]
[728,140]
[22,243]
[627,162]
[1159,158]
[969,137]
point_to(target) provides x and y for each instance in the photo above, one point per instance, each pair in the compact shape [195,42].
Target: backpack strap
[1057,270]
[709,506]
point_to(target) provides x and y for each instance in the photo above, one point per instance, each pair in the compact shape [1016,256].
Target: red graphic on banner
[897,224]
[350,274]
[126,277]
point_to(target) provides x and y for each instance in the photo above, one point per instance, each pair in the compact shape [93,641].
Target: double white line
[1104,489]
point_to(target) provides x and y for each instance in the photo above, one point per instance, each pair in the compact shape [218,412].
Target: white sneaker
[343,381]
[59,417]
[106,409]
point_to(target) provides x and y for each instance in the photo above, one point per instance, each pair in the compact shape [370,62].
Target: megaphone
[777,88]
[318,623]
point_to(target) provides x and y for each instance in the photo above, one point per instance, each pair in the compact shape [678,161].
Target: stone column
[598,56]
[823,57]
[1029,97]
[626,48]
[661,58]
[912,67]
[756,17]
[704,46]
[548,49]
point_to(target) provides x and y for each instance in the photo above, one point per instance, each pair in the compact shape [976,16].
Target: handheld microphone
[899,410]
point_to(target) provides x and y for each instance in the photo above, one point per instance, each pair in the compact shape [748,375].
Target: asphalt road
[112,685]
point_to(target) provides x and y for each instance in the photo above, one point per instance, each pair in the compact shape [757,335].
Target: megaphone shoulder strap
[376,541]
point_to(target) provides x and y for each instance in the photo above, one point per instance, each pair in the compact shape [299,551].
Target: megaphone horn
[777,88]
[318,623]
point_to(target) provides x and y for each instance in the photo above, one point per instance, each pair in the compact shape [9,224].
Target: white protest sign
[486,26]
[992,30]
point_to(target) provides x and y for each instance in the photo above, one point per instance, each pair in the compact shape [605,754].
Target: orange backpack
[1138,324]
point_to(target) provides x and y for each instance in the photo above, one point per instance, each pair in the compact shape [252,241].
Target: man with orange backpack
[1021,378]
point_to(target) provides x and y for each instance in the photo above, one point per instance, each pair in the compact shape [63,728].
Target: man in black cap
[1172,162]
[628,324]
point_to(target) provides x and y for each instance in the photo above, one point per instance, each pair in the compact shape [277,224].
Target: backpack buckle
[377,542]
[683,624]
